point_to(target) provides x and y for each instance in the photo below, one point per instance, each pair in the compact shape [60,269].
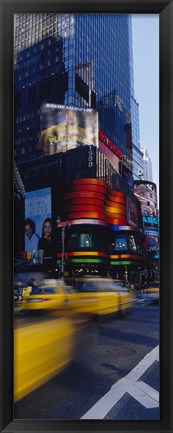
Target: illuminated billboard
[38,209]
[63,128]
[133,215]
[110,155]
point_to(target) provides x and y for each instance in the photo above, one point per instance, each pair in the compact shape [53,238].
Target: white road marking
[116,392]
[145,395]
[148,390]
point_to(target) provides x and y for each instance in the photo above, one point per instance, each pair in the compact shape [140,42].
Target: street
[115,374]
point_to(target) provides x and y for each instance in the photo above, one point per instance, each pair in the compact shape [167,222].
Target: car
[151,290]
[99,296]
[43,347]
[17,297]
[151,293]
[82,296]
[50,295]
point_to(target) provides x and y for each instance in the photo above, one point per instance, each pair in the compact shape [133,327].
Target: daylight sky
[145,30]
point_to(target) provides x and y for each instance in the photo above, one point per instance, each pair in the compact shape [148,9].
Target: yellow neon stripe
[86,253]
[125,256]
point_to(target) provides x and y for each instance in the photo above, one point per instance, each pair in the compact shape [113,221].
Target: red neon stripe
[90,201]
[75,215]
[116,221]
[115,200]
[92,188]
[116,194]
[84,194]
[89,181]
[86,208]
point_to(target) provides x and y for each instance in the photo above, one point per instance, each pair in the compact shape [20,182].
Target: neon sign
[150,220]
[108,142]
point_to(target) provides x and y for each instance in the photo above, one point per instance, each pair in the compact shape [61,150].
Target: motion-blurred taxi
[99,296]
[152,293]
[43,347]
[49,296]
[82,296]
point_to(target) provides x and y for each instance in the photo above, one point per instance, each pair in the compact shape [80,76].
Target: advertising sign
[153,241]
[110,155]
[37,209]
[127,176]
[63,128]
[150,221]
[132,213]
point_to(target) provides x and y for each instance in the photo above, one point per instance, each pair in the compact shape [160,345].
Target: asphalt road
[115,374]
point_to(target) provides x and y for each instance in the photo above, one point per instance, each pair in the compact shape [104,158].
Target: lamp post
[66,223]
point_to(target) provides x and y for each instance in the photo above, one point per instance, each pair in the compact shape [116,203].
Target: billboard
[110,155]
[37,209]
[133,218]
[63,128]
[150,221]
[127,176]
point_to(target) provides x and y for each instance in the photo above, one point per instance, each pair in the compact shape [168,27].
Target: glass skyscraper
[83,60]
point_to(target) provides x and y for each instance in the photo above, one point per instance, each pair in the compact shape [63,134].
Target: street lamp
[63,225]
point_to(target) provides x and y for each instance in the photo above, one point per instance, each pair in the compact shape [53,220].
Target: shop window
[86,240]
[120,243]
[132,243]
[73,242]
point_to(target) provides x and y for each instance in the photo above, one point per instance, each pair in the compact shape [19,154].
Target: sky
[145,33]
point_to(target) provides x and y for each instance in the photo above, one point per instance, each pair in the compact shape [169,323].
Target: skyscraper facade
[77,63]
[147,165]
[82,60]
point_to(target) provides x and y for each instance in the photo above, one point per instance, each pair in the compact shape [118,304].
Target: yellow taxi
[50,295]
[41,350]
[99,296]
[43,347]
[152,292]
[85,296]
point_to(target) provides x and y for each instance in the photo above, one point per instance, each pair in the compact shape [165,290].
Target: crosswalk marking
[129,383]
[144,394]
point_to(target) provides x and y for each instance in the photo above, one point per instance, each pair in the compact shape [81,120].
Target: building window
[86,240]
[120,244]
[132,243]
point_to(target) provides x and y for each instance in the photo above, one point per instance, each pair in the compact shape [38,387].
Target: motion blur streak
[40,351]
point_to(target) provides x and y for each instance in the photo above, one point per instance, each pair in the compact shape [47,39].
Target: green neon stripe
[124,262]
[81,260]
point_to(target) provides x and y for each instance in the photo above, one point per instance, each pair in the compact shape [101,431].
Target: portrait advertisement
[86,211]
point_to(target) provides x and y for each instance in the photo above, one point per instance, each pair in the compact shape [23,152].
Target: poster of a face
[63,128]
[37,210]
